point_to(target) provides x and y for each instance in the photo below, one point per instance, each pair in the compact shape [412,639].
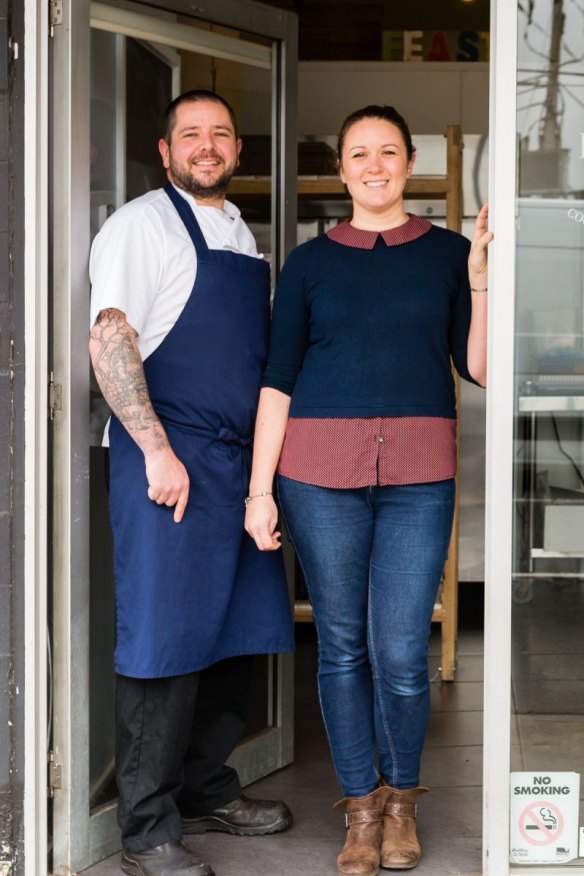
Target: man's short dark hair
[194,96]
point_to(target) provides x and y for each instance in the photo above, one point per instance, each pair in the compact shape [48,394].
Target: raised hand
[477,259]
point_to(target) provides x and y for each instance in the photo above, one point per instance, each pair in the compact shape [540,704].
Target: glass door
[115,68]
[534,702]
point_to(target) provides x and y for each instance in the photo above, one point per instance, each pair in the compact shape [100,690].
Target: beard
[198,188]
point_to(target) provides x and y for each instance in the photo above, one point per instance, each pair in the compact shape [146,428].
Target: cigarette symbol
[550,821]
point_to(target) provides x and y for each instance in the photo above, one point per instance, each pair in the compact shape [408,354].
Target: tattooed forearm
[120,373]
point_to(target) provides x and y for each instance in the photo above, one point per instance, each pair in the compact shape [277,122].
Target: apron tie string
[223,434]
[228,436]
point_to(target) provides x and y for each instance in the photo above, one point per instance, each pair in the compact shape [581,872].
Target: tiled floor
[449,818]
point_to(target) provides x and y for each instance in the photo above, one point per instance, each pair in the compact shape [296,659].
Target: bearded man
[178,342]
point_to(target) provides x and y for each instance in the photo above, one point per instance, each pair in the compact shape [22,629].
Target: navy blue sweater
[370,333]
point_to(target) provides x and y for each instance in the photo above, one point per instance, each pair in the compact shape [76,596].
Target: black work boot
[170,859]
[244,817]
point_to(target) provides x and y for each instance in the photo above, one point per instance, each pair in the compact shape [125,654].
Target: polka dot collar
[345,234]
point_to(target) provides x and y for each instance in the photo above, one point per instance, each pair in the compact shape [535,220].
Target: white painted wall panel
[430,96]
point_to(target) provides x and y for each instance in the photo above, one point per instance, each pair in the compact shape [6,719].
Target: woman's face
[374,164]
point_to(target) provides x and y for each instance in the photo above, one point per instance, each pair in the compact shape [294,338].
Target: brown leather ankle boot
[364,819]
[400,849]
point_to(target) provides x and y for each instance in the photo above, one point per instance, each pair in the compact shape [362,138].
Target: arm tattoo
[120,374]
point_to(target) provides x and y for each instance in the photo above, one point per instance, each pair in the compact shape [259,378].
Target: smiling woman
[357,415]
[376,156]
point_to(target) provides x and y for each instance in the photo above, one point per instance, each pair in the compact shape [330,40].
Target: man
[180,309]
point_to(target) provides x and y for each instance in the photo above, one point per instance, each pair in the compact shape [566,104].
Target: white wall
[429,95]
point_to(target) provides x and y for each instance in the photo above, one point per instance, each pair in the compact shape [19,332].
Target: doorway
[77,476]
[115,67]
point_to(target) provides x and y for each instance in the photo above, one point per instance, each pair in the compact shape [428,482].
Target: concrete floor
[449,818]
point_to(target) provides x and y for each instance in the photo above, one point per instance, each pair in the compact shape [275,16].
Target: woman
[358,414]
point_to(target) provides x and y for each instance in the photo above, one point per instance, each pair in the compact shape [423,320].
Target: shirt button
[381,439]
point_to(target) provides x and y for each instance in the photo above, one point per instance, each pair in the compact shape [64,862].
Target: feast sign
[544,817]
[435,45]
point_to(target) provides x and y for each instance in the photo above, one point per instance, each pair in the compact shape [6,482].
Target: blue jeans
[372,559]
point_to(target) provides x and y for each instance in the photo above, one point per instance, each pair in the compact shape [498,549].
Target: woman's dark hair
[197,94]
[388,114]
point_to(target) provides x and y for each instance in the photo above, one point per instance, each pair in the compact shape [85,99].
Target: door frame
[499,439]
[79,838]
[36,709]
[70,202]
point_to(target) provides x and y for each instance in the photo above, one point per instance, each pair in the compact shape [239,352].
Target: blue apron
[193,593]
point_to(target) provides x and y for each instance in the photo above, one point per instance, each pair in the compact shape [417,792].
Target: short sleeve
[125,265]
[290,327]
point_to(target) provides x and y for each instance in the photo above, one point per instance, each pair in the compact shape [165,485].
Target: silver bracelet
[248,499]
[472,289]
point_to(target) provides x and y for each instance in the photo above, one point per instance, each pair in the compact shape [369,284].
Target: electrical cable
[523,109]
[564,452]
[573,96]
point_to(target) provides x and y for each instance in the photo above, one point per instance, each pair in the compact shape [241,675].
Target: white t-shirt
[143,261]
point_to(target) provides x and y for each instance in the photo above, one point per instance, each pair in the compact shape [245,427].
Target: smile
[376,183]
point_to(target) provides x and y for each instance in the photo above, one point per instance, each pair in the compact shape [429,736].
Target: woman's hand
[476,350]
[261,518]
[477,259]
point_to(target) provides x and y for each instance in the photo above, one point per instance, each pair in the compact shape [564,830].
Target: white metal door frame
[70,148]
[35,488]
[78,840]
[499,438]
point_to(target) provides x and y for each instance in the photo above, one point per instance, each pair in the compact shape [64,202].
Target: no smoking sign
[544,817]
[541,825]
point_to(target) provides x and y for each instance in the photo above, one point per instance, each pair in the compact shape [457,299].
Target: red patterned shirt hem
[348,453]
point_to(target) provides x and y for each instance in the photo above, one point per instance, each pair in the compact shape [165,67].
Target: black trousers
[173,736]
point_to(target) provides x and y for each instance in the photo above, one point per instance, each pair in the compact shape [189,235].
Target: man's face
[203,153]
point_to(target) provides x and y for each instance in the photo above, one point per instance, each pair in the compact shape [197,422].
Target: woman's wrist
[261,487]
[479,281]
[262,494]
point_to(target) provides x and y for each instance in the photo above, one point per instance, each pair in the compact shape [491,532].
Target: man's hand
[168,480]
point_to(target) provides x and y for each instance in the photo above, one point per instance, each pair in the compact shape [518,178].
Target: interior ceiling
[351,30]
